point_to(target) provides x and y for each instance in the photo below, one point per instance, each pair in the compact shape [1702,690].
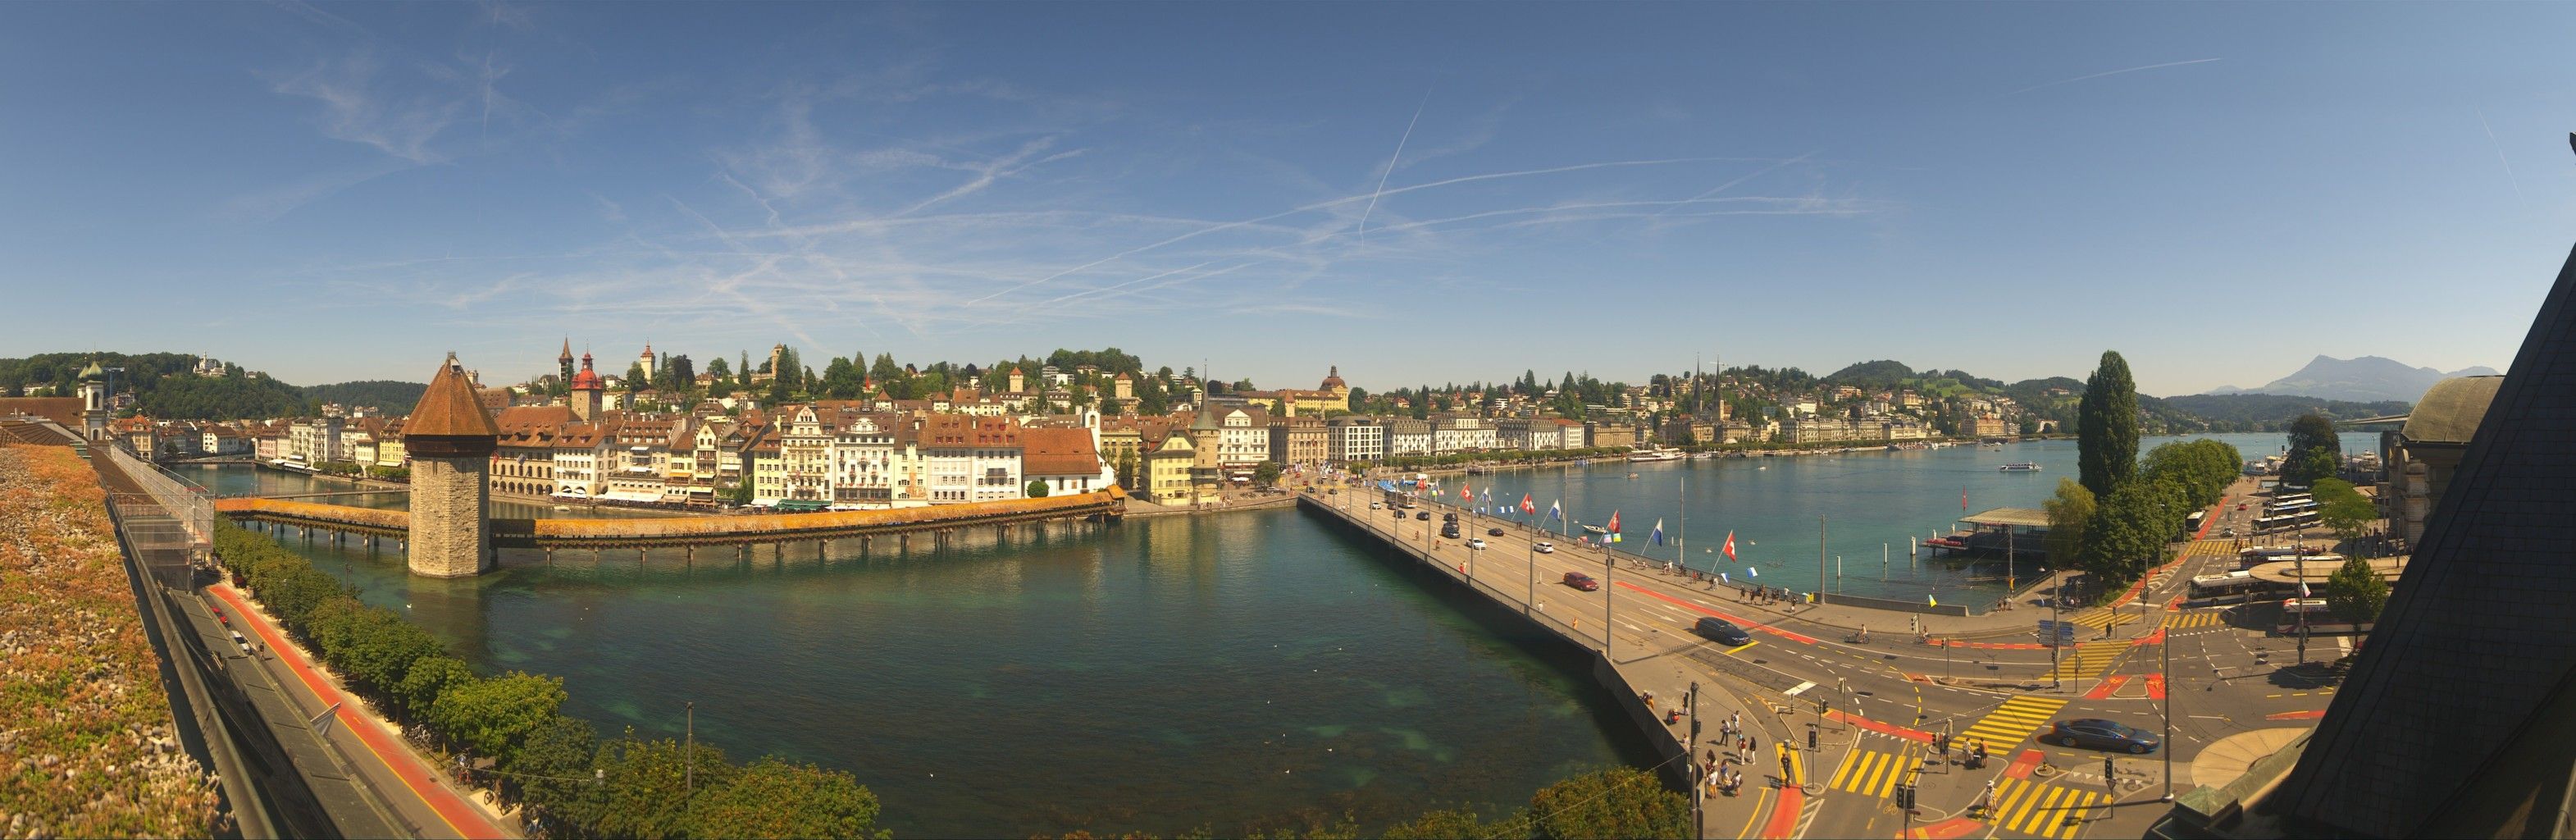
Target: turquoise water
[1869,502]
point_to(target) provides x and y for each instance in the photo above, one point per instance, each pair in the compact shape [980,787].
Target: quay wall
[1670,755]
[685,530]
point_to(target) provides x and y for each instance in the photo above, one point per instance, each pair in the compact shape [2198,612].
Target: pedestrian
[1986,800]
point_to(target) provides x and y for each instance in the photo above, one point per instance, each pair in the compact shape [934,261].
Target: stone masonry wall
[450,536]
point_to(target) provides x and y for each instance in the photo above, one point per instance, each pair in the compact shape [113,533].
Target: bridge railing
[188,506]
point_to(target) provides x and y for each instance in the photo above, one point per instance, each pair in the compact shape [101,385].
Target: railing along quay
[694,530]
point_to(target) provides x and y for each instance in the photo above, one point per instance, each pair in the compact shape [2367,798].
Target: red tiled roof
[63,410]
[1058,452]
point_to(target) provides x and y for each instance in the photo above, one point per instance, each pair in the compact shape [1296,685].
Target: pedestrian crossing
[2087,660]
[2012,722]
[2042,810]
[2097,617]
[2211,548]
[2187,621]
[1874,773]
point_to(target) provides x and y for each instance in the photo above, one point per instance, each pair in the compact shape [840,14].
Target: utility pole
[2167,668]
[689,760]
[1820,554]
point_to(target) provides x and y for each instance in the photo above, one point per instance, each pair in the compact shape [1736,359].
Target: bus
[2287,521]
[2260,555]
[2191,524]
[2279,508]
[2289,498]
[2309,611]
[2236,584]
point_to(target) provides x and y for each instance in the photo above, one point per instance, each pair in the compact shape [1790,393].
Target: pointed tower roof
[450,408]
[92,373]
[2444,726]
[567,351]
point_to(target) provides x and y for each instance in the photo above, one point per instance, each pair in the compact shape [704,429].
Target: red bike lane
[460,816]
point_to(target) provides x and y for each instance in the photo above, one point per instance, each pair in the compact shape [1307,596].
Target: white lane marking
[1793,691]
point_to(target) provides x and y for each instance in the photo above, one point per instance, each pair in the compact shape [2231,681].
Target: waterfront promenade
[1867,715]
[934,521]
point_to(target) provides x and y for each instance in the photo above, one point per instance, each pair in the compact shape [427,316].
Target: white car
[1476,544]
[1377,505]
[1546,548]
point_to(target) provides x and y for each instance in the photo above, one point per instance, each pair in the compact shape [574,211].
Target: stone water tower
[450,440]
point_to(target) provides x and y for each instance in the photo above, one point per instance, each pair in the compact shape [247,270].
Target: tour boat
[1656,455]
[1595,529]
[2024,466]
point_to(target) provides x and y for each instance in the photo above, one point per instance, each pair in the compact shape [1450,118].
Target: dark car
[1451,533]
[1722,631]
[1423,515]
[1448,517]
[1493,532]
[2101,734]
[1581,581]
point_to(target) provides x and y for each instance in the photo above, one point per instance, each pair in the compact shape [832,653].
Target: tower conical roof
[92,373]
[450,408]
[567,351]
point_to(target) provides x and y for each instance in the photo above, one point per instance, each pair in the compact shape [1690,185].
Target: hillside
[2364,379]
[165,385]
[395,398]
[2273,412]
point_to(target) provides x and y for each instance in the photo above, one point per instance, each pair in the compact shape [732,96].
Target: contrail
[1390,164]
[2110,73]
[2499,147]
[1756,174]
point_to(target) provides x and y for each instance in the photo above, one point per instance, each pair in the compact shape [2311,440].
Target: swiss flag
[1614,522]
[1730,546]
[1526,507]
[1466,491]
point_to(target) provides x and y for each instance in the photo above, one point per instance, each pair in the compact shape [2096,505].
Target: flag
[1722,578]
[1526,507]
[1658,536]
[1730,546]
[1466,492]
[1963,500]
[1752,572]
[1928,599]
[2303,589]
[1489,495]
[1556,509]
[1613,525]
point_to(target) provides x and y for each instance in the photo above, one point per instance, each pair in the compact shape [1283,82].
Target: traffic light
[1905,797]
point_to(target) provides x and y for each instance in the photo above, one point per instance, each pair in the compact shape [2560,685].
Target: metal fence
[172,513]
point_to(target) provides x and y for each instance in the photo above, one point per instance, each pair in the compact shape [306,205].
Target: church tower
[450,440]
[94,405]
[565,362]
[586,389]
[646,359]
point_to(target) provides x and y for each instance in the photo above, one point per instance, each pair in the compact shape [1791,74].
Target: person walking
[1985,804]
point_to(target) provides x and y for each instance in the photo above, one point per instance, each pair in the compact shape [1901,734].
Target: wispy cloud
[2110,73]
[357,109]
[1391,161]
[2509,177]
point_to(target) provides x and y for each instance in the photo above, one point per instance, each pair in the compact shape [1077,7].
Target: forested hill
[165,385]
[394,397]
[2273,412]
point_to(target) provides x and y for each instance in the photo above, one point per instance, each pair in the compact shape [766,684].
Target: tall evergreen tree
[2315,451]
[2107,427]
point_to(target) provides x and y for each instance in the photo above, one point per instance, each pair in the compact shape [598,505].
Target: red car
[1581,581]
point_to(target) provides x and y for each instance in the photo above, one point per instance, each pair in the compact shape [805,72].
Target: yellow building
[1171,474]
[1330,398]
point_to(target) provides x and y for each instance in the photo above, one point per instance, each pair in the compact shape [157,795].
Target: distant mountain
[2365,379]
[2243,412]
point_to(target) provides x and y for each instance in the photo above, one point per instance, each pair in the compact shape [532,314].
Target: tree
[1460,822]
[635,378]
[552,769]
[1037,489]
[492,716]
[723,374]
[645,786]
[1618,802]
[1266,474]
[772,798]
[890,375]
[2344,509]
[840,379]
[684,373]
[2315,451]
[382,650]
[2070,516]
[2107,427]
[2356,593]
[421,685]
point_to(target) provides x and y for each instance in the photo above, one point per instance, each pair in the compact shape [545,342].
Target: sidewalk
[453,814]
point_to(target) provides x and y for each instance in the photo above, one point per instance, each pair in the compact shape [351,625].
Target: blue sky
[1415,192]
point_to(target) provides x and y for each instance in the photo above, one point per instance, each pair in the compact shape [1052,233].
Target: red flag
[1963,500]
[1526,507]
[1730,546]
[1614,521]
[1467,491]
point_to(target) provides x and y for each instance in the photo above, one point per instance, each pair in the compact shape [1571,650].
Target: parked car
[1493,532]
[2101,734]
[1546,548]
[1476,544]
[1722,631]
[1581,581]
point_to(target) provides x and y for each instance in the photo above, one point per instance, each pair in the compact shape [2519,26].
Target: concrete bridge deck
[682,531]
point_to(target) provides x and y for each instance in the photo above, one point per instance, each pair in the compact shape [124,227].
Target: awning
[794,505]
[631,496]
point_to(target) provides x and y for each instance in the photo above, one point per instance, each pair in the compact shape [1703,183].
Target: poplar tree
[2107,427]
